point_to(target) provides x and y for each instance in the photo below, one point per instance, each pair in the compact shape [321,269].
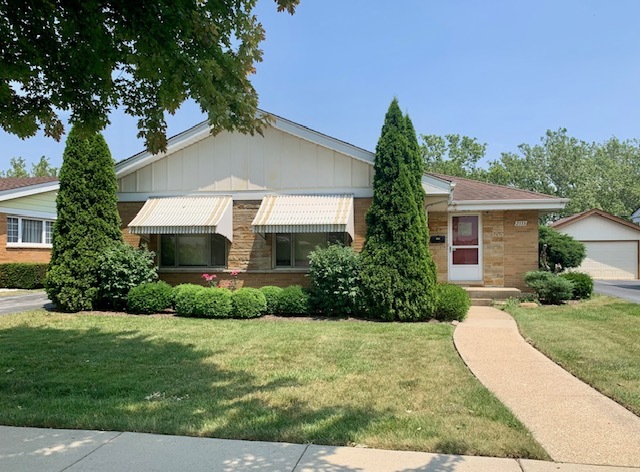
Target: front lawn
[598,341]
[383,385]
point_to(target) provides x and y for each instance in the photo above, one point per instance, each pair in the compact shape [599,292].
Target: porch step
[492,293]
[481,302]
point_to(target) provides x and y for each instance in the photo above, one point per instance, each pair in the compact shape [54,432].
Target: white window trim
[20,244]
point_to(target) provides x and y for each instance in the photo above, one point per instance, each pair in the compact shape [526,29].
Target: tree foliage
[18,168]
[591,175]
[558,251]
[397,272]
[145,56]
[88,222]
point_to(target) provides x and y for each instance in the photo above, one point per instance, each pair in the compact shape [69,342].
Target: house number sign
[521,223]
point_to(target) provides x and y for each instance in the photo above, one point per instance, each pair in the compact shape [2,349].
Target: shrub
[196,300]
[293,300]
[22,275]
[452,303]
[248,303]
[88,221]
[582,284]
[335,280]
[558,250]
[151,297]
[550,288]
[272,296]
[120,268]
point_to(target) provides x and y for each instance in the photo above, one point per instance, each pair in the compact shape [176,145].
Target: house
[635,216]
[612,243]
[260,204]
[27,213]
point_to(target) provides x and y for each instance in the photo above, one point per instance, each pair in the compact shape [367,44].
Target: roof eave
[28,190]
[524,204]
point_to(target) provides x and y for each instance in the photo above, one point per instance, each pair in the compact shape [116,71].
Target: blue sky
[501,71]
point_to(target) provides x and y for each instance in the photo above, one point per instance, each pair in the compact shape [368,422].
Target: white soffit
[185,215]
[305,214]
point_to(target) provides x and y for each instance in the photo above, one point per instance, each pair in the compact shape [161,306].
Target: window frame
[209,238]
[47,230]
[344,239]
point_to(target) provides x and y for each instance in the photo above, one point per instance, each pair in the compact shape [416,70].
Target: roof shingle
[467,190]
[10,183]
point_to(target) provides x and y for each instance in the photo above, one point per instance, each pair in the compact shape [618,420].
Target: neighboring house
[612,243]
[260,204]
[27,213]
[635,216]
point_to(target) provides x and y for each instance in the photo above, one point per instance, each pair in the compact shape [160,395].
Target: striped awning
[305,214]
[185,215]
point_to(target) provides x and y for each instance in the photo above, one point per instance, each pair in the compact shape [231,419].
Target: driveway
[19,303]
[626,289]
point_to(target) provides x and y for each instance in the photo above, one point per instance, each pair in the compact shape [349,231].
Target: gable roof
[594,211]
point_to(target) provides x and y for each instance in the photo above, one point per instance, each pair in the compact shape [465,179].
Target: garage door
[611,260]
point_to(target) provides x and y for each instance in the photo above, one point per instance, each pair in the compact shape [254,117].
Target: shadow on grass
[127,381]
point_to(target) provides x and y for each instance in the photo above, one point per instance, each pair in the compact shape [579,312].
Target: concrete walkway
[55,450]
[571,420]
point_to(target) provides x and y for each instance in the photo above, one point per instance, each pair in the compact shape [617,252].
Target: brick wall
[493,248]
[520,247]
[15,254]
[438,226]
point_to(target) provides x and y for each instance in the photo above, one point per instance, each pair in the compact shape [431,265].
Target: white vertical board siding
[232,162]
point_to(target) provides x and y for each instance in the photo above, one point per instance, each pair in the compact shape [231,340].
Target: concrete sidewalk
[571,420]
[55,450]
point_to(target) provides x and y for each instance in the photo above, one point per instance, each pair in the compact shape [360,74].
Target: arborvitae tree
[397,275]
[88,221]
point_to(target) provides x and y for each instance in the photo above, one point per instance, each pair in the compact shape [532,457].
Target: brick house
[27,213]
[259,204]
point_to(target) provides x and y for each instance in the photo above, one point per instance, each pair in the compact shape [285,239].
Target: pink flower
[234,273]
[209,277]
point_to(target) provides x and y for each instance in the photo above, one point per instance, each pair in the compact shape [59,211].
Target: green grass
[384,385]
[598,341]
[14,293]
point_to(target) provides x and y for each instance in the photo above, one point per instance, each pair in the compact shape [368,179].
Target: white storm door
[465,248]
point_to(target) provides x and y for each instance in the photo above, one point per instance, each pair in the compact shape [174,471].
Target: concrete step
[493,293]
[481,302]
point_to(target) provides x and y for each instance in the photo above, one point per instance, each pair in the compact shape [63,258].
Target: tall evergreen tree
[88,221]
[397,275]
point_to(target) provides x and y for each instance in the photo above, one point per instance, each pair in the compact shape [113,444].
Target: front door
[465,248]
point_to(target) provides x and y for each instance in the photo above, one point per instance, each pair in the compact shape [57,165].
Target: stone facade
[508,250]
[19,254]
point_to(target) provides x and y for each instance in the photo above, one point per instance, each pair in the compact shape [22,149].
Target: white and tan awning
[185,215]
[305,214]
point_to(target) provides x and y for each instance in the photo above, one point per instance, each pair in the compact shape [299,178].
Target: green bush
[335,280]
[120,268]
[196,300]
[582,284]
[151,297]
[558,250]
[293,300]
[272,296]
[22,275]
[550,288]
[248,303]
[452,303]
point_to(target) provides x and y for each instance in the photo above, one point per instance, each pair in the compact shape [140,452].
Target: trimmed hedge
[22,275]
[152,297]
[550,288]
[582,284]
[248,303]
[293,300]
[452,302]
[272,296]
[196,300]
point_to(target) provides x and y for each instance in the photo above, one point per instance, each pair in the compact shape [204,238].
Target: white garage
[612,244]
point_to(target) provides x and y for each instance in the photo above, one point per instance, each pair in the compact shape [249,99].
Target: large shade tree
[398,275]
[147,56]
[88,221]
